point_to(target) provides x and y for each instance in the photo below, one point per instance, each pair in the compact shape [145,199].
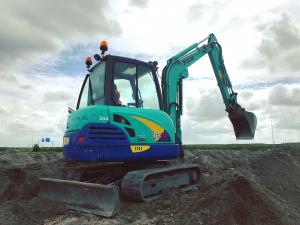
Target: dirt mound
[239,187]
[278,173]
[234,200]
[25,159]
[19,189]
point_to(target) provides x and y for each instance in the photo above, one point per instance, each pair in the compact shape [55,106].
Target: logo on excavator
[188,60]
[105,118]
[79,118]
[156,136]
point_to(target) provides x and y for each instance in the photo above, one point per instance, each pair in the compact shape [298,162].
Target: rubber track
[148,184]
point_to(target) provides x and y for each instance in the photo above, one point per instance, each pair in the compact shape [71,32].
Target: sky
[43,45]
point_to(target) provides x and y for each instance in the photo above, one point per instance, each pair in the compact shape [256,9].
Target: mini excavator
[126,130]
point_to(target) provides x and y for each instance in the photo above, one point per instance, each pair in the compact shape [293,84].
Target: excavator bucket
[97,199]
[244,124]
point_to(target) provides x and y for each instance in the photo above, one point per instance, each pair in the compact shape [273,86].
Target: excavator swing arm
[244,123]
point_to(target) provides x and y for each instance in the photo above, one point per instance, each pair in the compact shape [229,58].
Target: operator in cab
[117,96]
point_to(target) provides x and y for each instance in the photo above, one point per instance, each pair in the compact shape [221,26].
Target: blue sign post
[47,139]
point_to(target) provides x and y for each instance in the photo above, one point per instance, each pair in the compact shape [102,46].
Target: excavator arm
[244,123]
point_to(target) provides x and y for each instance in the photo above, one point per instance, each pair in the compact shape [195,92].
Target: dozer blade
[244,124]
[90,198]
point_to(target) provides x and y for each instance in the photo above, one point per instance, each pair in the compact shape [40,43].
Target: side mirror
[70,110]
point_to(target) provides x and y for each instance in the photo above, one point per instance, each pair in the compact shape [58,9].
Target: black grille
[105,132]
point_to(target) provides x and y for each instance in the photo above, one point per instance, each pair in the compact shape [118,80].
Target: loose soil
[238,187]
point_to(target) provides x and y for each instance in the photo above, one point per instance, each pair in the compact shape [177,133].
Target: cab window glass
[97,77]
[124,86]
[147,90]
[85,98]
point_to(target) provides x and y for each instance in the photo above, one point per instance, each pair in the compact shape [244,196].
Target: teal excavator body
[124,115]
[137,129]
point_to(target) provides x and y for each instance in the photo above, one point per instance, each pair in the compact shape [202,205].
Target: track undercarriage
[97,189]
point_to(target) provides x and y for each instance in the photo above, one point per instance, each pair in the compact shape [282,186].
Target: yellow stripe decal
[156,129]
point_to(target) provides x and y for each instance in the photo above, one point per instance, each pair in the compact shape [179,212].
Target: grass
[43,149]
[253,147]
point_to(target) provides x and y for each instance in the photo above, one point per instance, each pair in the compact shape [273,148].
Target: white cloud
[38,111]
[139,3]
[56,96]
[285,95]
[36,27]
[275,46]
[279,47]
[260,46]
[205,106]
[279,103]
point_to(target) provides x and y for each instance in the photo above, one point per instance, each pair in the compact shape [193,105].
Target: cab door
[139,113]
[136,83]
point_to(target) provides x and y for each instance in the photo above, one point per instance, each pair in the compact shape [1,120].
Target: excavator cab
[135,81]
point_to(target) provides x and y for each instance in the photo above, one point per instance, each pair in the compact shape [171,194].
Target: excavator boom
[244,123]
